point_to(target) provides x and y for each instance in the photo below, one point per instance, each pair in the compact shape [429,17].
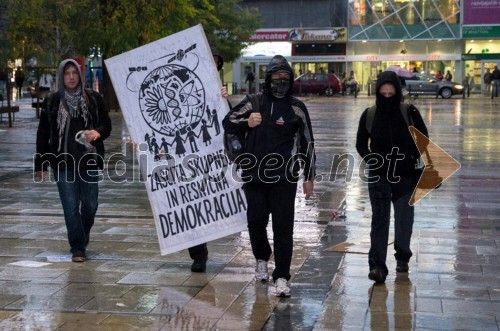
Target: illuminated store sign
[269,36]
[330,35]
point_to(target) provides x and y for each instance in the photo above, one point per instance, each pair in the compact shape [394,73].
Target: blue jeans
[78,193]
[496,87]
[381,195]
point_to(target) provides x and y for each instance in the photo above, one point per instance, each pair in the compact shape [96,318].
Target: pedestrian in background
[487,80]
[439,75]
[4,76]
[495,79]
[46,80]
[278,129]
[388,138]
[73,125]
[448,76]
[19,81]
[250,79]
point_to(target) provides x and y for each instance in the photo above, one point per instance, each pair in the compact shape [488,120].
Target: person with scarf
[74,122]
[279,140]
[390,154]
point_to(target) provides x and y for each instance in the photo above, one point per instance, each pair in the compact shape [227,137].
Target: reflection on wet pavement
[453,283]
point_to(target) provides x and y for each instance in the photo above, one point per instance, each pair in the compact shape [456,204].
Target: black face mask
[279,87]
[390,102]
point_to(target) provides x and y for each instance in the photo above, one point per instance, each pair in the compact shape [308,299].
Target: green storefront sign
[481,56]
[480,31]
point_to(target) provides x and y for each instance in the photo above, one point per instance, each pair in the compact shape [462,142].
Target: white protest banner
[169,93]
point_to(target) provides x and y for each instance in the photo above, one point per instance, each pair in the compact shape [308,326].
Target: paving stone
[126,284]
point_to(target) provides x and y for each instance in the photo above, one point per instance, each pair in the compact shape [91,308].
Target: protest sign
[169,93]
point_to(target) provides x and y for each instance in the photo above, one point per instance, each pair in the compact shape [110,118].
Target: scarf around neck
[72,105]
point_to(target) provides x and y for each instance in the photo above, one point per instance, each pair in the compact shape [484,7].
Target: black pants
[382,193]
[277,199]
[199,252]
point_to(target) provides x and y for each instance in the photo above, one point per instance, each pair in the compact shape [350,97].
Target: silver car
[424,84]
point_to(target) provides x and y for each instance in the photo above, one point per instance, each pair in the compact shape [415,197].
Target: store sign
[269,36]
[481,31]
[331,35]
[320,58]
[481,12]
[481,56]
[403,57]
[325,58]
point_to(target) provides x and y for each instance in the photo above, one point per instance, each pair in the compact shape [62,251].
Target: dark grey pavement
[454,279]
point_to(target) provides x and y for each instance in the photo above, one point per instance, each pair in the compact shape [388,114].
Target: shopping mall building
[369,35]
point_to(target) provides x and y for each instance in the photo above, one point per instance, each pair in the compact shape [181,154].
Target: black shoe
[78,256]
[377,275]
[199,266]
[402,266]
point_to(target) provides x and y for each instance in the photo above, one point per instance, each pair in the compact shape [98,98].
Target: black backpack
[234,144]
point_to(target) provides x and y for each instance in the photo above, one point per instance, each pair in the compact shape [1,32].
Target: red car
[327,84]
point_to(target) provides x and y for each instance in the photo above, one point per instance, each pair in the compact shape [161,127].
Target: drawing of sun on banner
[169,93]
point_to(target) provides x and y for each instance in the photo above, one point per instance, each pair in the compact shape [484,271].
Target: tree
[57,29]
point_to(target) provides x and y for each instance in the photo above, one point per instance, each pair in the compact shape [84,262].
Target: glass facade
[404,19]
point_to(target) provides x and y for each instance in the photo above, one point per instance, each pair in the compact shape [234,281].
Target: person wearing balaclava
[74,122]
[390,154]
[278,133]
[199,253]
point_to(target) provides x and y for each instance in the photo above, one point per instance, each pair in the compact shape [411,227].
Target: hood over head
[392,78]
[278,64]
[60,74]
[220,62]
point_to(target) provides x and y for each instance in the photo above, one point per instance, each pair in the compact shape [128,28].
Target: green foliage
[52,30]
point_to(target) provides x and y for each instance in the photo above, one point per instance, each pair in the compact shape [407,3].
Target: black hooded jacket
[60,149]
[390,130]
[285,133]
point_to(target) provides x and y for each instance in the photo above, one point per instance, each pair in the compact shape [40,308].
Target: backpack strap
[403,107]
[370,115]
[255,101]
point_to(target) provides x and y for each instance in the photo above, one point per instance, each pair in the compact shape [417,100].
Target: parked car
[424,84]
[327,84]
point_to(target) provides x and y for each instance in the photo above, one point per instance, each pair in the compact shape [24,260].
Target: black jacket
[285,134]
[47,139]
[390,130]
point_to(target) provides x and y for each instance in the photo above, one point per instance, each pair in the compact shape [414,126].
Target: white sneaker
[261,271]
[282,289]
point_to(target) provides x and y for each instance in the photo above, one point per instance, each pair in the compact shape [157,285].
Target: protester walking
[199,253]
[74,122]
[386,145]
[276,127]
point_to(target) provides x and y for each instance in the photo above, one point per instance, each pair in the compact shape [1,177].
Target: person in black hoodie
[74,122]
[390,154]
[278,133]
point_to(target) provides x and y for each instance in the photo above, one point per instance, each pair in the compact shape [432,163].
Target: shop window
[441,31]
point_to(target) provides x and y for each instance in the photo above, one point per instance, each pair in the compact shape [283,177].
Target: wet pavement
[454,279]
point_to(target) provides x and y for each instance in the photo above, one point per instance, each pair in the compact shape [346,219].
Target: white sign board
[169,93]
